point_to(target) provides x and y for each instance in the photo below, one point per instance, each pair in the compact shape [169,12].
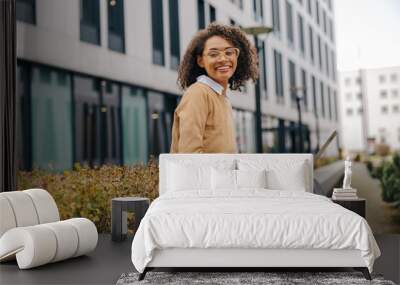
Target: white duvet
[252,218]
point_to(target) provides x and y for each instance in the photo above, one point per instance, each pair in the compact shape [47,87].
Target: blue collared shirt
[211,83]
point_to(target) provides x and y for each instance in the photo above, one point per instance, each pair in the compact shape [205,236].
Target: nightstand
[356,205]
[119,208]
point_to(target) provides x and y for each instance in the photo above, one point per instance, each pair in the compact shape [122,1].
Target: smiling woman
[218,57]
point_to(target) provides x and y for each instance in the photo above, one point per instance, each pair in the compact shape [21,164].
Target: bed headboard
[208,158]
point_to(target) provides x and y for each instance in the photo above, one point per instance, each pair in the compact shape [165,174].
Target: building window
[314,93]
[326,59]
[317,11]
[258,9]
[382,79]
[301,33]
[359,96]
[331,30]
[309,7]
[321,88]
[263,61]
[90,21]
[157,31]
[292,83]
[330,104]
[395,108]
[200,14]
[333,59]
[310,34]
[360,110]
[398,134]
[395,93]
[393,77]
[174,33]
[304,85]
[384,110]
[319,52]
[26,11]
[330,5]
[358,80]
[335,105]
[213,13]
[134,125]
[278,76]
[383,94]
[276,22]
[324,21]
[289,22]
[116,37]
[349,112]
[51,120]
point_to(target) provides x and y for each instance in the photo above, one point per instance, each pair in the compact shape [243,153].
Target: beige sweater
[203,122]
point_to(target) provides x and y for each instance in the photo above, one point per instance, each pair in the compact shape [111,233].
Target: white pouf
[31,230]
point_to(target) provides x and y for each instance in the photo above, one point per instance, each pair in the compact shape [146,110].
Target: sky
[367,33]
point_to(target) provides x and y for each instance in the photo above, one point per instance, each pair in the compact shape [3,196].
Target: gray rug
[225,278]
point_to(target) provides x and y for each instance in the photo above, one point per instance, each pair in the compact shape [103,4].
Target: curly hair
[247,65]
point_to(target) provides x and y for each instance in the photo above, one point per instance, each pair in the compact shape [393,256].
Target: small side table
[357,205]
[119,217]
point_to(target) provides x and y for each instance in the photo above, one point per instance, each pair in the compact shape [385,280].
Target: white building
[370,107]
[97,79]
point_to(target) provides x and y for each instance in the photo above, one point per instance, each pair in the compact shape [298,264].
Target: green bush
[390,179]
[87,192]
[370,166]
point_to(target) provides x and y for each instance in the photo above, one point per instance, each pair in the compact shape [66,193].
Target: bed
[247,210]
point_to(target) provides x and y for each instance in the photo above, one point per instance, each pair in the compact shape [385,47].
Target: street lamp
[256,31]
[298,91]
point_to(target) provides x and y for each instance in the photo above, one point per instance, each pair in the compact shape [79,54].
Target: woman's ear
[200,61]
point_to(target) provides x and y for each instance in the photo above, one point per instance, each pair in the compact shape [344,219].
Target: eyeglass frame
[220,52]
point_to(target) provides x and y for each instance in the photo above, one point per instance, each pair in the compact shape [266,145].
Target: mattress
[250,219]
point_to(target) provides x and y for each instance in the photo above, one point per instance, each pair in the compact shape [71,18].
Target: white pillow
[228,179]
[183,178]
[291,179]
[223,179]
[187,174]
[251,178]
[282,174]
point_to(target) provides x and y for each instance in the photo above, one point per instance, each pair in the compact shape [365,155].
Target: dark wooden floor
[110,260]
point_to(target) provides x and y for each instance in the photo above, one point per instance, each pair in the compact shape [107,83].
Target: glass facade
[157,31]
[289,22]
[276,20]
[51,113]
[245,131]
[263,68]
[292,83]
[301,33]
[161,111]
[311,38]
[305,88]
[116,27]
[134,126]
[26,11]
[90,21]
[201,18]
[213,13]
[174,33]
[23,120]
[278,77]
[87,120]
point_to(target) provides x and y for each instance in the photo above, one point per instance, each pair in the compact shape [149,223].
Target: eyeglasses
[230,53]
